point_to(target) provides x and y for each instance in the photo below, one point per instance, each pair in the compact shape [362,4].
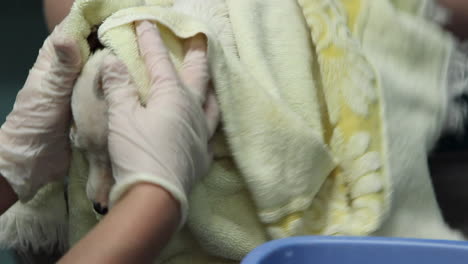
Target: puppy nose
[99,209]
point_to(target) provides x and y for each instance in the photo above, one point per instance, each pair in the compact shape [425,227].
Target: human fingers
[195,72]
[117,84]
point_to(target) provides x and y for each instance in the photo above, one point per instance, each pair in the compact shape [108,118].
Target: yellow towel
[275,123]
[412,58]
[269,111]
[305,145]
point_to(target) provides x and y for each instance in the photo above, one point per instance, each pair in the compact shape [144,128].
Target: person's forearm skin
[459,17]
[134,231]
[7,196]
[55,11]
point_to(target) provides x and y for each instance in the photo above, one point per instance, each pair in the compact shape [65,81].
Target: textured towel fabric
[271,116]
[329,109]
[428,9]
[39,225]
[412,58]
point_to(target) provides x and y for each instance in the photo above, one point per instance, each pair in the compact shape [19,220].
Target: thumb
[68,54]
[60,58]
[117,84]
[66,48]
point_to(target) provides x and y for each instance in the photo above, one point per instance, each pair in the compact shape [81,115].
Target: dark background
[23,31]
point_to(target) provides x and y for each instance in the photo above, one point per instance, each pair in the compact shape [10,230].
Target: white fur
[457,86]
[89,132]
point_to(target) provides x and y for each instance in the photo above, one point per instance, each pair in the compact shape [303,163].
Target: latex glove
[34,145]
[166,142]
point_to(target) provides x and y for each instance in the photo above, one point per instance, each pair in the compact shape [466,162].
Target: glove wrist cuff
[122,187]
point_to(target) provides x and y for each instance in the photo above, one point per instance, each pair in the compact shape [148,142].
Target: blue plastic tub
[358,250]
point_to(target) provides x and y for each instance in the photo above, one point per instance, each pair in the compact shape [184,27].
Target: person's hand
[165,142]
[34,145]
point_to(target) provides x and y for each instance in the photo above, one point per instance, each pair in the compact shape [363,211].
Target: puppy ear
[98,62]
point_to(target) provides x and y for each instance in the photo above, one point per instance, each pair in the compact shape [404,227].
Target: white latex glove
[34,145]
[166,142]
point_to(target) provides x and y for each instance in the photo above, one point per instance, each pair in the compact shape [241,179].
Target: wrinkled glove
[34,145]
[165,142]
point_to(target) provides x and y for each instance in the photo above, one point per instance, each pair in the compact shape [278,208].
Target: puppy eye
[98,91]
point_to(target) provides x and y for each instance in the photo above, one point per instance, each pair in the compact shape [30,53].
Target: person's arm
[8,196]
[158,151]
[134,231]
[459,20]
[35,147]
[55,11]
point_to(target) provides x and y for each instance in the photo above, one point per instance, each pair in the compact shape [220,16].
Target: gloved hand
[165,142]
[34,145]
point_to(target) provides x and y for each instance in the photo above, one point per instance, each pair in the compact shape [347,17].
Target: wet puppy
[89,130]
